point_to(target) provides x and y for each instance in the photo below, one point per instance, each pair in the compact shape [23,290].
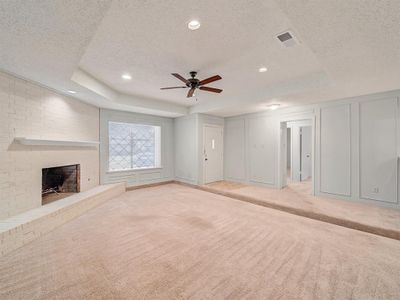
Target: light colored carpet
[175,242]
[296,198]
[226,185]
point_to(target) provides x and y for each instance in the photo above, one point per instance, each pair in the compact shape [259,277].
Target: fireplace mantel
[60,143]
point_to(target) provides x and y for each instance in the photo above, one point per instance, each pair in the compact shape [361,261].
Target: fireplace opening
[60,182]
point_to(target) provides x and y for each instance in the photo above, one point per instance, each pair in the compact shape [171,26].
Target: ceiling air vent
[287,39]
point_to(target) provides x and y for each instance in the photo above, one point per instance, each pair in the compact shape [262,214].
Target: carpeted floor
[175,242]
[296,198]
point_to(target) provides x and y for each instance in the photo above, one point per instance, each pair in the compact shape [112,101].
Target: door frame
[203,150]
[282,162]
[301,150]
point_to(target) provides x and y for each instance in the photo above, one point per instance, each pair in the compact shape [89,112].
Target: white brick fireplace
[28,110]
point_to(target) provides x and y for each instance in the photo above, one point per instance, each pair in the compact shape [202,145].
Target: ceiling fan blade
[211,79]
[190,93]
[173,87]
[180,77]
[210,89]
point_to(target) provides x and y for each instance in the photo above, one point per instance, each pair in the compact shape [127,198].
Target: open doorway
[297,155]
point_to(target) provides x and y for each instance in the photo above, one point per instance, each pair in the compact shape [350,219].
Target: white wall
[378,150]
[335,150]
[235,149]
[137,177]
[356,147]
[28,110]
[187,149]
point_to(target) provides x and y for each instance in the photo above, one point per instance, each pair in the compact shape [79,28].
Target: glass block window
[133,146]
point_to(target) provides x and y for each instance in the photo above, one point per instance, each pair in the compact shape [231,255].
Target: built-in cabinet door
[378,150]
[262,150]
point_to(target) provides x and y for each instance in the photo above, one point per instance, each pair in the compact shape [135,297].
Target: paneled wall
[356,143]
[335,150]
[137,177]
[235,149]
[378,150]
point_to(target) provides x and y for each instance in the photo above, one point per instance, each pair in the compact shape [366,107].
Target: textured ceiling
[44,40]
[347,48]
[358,42]
[236,38]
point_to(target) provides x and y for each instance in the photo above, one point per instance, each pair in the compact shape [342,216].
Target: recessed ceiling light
[193,25]
[273,106]
[126,76]
[262,69]
[72,92]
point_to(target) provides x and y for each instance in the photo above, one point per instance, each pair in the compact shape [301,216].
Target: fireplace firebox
[60,182]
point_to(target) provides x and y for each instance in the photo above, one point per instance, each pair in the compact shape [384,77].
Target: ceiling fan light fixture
[262,69]
[126,76]
[194,25]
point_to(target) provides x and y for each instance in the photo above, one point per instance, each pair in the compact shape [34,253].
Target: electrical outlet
[375,190]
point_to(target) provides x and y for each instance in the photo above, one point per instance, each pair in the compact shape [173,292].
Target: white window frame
[157,147]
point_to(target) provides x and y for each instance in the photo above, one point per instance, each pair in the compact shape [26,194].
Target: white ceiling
[347,48]
[44,40]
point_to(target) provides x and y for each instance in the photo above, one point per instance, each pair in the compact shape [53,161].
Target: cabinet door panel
[262,151]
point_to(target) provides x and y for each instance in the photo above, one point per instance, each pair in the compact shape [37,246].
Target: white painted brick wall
[28,110]
[26,227]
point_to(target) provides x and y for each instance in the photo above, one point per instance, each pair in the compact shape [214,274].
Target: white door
[306,145]
[284,154]
[295,153]
[213,153]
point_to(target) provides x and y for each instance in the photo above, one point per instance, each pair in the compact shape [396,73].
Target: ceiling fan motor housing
[193,82]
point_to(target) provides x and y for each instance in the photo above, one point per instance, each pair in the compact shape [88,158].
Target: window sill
[134,170]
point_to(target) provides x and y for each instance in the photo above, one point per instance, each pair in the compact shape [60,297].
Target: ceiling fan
[194,83]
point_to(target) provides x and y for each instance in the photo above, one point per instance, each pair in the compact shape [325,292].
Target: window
[133,146]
